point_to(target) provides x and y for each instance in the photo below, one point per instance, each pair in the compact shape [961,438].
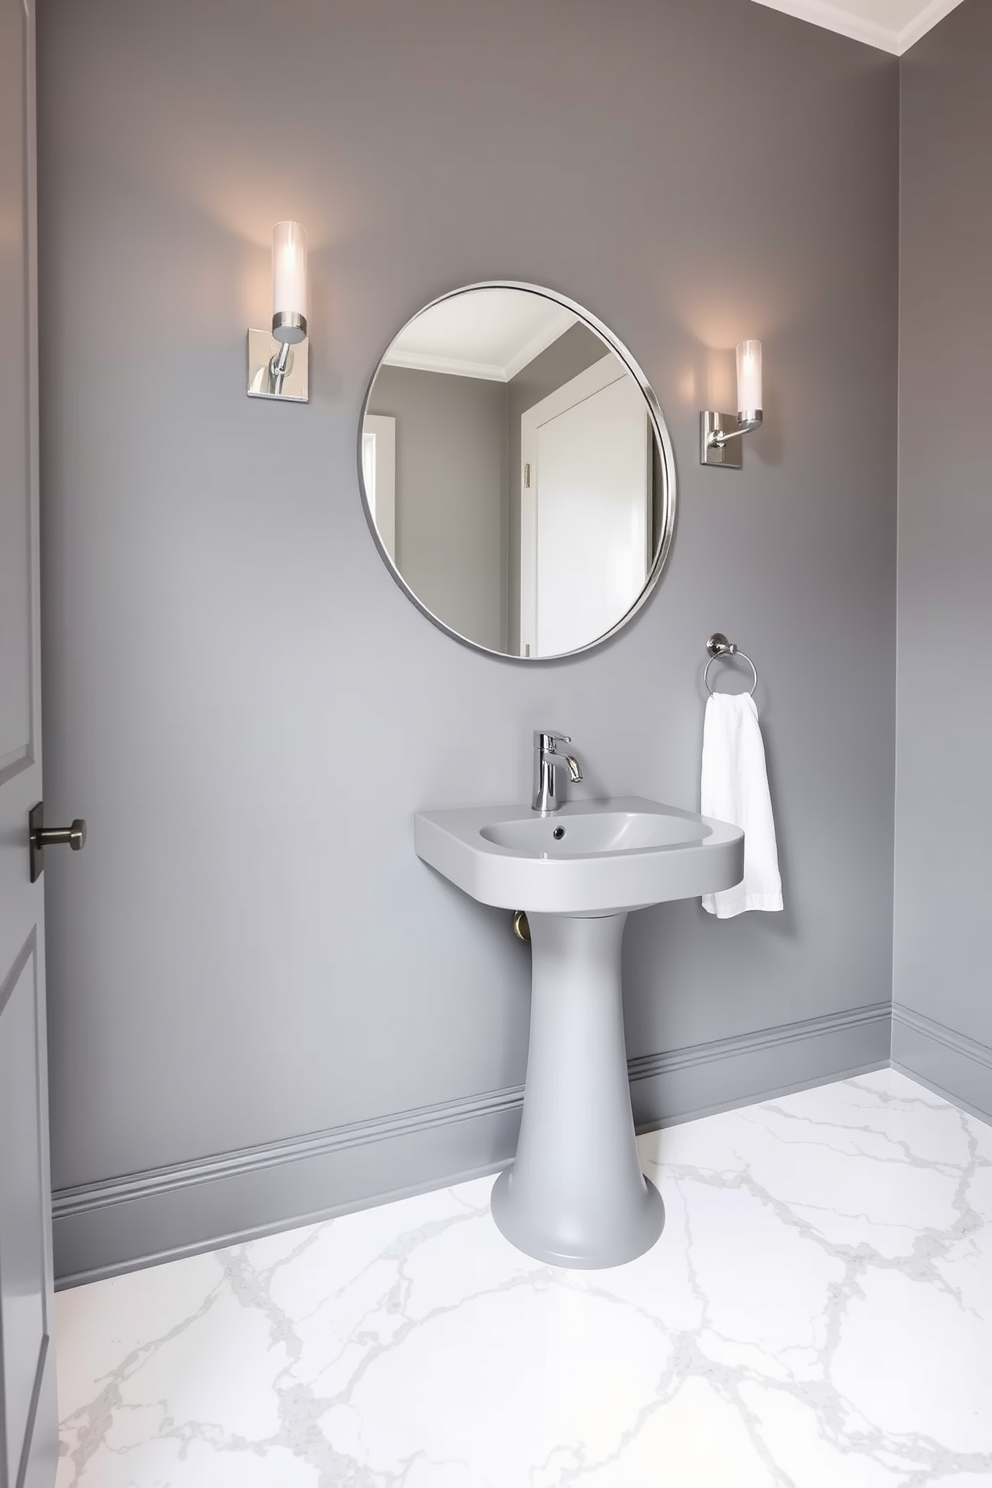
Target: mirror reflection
[515,473]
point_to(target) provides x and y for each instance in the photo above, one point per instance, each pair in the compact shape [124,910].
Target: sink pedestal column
[576,1195]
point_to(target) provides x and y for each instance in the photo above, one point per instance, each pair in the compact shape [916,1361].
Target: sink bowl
[588,858]
[595,831]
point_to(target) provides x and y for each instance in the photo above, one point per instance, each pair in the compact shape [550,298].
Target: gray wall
[943,1008]
[247,708]
[451,495]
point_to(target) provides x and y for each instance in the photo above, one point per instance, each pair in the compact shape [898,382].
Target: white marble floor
[817,1314]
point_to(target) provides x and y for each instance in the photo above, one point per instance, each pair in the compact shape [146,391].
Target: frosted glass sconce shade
[749,380]
[279,361]
[289,282]
[720,434]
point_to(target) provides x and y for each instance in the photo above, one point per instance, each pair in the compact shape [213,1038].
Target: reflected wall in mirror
[516,471]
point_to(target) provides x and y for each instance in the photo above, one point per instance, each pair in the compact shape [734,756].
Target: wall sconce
[720,433]
[279,363]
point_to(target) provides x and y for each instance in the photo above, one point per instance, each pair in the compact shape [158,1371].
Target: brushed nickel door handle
[41,837]
[54,836]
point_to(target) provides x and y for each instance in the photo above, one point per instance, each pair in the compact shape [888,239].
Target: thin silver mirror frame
[663,444]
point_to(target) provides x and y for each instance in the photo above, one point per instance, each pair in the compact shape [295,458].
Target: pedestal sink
[576,1195]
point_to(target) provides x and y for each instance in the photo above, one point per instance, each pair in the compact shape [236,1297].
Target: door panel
[15,578]
[28,1413]
[22,1203]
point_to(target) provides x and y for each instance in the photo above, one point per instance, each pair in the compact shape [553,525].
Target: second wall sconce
[279,362]
[720,434]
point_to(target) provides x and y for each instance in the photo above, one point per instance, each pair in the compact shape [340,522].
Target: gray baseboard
[951,1064]
[119,1224]
[684,1084]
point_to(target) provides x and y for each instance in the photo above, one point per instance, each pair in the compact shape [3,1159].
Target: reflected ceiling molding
[440,343]
[905,21]
[425,361]
[539,343]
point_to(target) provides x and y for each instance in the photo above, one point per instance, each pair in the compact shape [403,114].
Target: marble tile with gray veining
[816,1314]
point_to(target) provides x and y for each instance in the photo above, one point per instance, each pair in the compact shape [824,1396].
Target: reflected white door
[585,509]
[379,472]
[28,1416]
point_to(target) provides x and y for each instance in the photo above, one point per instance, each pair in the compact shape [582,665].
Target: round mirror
[516,471]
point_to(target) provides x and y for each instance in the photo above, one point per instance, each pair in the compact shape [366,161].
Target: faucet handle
[545,739]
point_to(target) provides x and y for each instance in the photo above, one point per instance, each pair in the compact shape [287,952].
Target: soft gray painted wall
[451,502]
[943,867]
[240,699]
[574,351]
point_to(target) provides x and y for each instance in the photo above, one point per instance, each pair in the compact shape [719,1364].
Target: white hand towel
[734,788]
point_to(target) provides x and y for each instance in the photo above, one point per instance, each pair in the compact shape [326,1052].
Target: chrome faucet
[546,762]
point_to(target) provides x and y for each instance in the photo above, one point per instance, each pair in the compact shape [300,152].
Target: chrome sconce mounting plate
[714,447]
[277,369]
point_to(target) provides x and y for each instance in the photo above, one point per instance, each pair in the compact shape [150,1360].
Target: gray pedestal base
[576,1195]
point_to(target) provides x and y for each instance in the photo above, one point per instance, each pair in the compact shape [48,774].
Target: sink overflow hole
[558,833]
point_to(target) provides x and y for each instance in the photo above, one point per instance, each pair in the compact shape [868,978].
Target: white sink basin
[590,857]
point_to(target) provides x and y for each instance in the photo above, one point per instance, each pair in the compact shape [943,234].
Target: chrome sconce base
[278,369]
[721,437]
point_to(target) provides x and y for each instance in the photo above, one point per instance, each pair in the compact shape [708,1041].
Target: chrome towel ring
[718,646]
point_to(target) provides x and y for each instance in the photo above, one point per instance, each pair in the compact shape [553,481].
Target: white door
[28,1416]
[585,509]
[379,471]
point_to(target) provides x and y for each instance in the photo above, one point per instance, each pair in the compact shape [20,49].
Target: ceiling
[491,333]
[893,25]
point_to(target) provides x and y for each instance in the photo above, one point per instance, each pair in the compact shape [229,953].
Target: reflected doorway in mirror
[379,474]
[529,572]
[585,504]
